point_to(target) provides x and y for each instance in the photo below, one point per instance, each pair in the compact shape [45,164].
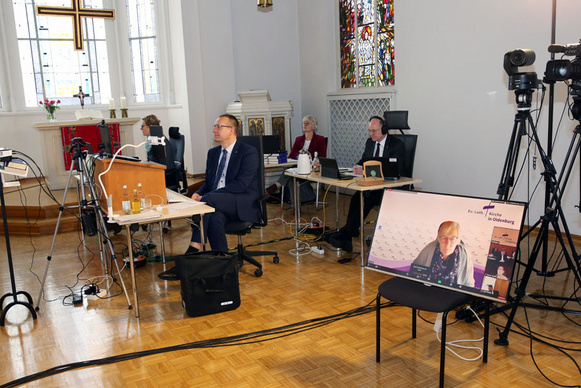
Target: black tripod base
[16,302]
[502,339]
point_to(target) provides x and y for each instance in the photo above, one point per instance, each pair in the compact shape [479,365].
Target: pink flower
[51,105]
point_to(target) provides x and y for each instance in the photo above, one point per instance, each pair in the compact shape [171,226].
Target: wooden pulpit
[151,176]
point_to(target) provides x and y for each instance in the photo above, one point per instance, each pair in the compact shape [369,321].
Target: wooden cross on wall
[77,13]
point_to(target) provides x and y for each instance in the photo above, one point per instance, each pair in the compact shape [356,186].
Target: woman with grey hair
[309,141]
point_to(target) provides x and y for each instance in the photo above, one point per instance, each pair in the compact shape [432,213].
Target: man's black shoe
[343,243]
[327,236]
[170,274]
[272,189]
[191,250]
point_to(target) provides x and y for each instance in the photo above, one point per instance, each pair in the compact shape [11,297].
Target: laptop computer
[329,169]
[389,167]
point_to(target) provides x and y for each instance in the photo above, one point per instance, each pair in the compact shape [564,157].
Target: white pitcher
[304,163]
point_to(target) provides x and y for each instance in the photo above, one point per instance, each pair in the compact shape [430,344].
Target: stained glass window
[367,43]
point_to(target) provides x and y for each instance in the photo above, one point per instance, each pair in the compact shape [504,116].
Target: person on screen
[381,144]
[447,258]
[310,142]
[500,273]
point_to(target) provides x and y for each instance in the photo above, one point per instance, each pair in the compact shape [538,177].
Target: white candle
[123,103]
[111,103]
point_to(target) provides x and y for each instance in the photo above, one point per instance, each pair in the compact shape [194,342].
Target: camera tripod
[553,213]
[79,165]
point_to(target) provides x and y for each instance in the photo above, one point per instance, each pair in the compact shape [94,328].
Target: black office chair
[398,120]
[418,296]
[241,228]
[178,142]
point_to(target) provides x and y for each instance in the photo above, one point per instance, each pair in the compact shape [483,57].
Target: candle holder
[124,112]
[112,114]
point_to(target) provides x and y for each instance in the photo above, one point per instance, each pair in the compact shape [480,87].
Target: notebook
[329,169]
[389,166]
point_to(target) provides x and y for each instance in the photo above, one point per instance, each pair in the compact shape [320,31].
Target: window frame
[11,80]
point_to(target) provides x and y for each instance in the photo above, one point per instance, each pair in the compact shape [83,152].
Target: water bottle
[141,196]
[316,163]
[125,202]
[136,203]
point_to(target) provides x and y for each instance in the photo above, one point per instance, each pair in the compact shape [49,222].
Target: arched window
[367,43]
[52,69]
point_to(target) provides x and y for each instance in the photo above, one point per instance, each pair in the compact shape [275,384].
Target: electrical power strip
[318,250]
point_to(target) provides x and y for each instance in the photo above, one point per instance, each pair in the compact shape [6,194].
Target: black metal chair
[241,228]
[436,299]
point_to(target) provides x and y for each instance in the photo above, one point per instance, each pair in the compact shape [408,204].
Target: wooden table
[171,211]
[346,184]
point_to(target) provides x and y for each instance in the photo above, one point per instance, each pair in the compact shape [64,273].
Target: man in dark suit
[378,144]
[230,187]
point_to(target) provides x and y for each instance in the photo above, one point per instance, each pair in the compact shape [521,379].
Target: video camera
[562,69]
[516,80]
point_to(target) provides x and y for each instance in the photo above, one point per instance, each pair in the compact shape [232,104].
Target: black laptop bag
[209,282]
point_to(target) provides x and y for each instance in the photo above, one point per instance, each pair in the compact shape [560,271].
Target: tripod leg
[101,222]
[103,229]
[507,178]
[56,229]
[520,290]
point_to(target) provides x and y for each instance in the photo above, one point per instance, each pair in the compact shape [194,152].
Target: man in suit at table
[379,144]
[230,187]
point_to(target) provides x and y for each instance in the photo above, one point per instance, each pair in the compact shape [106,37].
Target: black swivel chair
[398,119]
[241,228]
[418,296]
[177,140]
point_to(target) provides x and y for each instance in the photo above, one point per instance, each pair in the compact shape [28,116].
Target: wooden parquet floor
[339,354]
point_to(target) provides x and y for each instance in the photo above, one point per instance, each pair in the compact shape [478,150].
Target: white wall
[450,76]
[266,52]
[318,58]
[209,63]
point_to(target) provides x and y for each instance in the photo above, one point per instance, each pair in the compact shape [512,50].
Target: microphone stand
[14,293]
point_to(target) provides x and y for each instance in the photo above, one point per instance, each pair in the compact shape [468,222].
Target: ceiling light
[264,3]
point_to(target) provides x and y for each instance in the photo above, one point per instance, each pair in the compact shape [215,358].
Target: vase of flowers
[51,107]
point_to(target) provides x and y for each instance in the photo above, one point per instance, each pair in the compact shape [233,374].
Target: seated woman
[171,178]
[310,142]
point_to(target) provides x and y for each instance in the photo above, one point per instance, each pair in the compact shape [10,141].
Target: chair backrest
[256,142]
[410,142]
[177,140]
[396,119]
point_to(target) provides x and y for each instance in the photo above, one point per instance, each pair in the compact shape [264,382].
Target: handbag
[209,282]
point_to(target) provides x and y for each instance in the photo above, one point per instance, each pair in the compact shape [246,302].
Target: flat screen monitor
[467,244]
[105,138]
[271,144]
